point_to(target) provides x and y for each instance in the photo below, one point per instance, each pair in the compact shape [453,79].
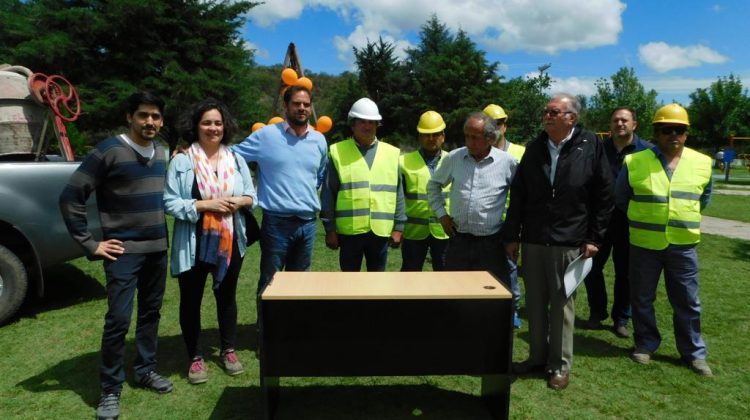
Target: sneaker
[700,367]
[232,366]
[109,407]
[198,372]
[641,355]
[621,331]
[516,321]
[155,382]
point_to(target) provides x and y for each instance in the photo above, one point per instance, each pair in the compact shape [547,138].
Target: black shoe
[527,368]
[109,407]
[156,383]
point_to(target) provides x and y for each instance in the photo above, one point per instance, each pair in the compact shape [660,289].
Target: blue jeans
[286,243]
[515,286]
[680,266]
[146,273]
[368,245]
[414,252]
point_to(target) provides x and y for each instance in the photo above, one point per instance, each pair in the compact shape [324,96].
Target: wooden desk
[382,324]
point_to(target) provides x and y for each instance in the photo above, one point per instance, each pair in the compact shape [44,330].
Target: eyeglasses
[554,112]
[673,129]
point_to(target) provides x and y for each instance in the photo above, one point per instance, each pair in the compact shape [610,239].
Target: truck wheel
[13,284]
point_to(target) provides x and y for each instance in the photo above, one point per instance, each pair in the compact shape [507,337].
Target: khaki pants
[551,315]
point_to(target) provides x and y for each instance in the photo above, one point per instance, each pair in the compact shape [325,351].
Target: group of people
[477,207]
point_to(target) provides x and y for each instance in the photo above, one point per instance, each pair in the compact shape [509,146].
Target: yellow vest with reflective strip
[421,220]
[516,151]
[366,200]
[663,211]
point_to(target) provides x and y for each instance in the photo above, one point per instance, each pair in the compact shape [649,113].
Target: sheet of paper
[577,270]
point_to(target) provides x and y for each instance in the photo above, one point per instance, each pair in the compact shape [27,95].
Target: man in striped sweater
[127,173]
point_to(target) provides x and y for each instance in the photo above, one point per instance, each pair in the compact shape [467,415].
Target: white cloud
[256,50]
[548,26]
[574,86]
[663,57]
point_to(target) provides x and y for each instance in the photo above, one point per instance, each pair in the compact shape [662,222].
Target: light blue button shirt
[478,189]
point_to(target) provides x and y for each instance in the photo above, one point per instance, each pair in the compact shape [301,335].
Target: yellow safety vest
[421,220]
[515,150]
[366,200]
[663,211]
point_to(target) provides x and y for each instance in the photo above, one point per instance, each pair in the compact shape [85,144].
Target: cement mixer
[29,104]
[33,235]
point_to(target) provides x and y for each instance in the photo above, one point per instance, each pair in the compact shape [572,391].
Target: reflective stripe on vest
[421,220]
[663,211]
[366,200]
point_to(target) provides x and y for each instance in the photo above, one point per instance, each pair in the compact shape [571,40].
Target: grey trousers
[551,315]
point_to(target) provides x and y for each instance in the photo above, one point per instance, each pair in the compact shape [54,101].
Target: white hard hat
[365,109]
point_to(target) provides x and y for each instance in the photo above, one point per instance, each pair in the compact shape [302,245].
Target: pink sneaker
[232,366]
[198,372]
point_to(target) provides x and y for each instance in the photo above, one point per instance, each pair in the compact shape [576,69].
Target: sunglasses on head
[673,129]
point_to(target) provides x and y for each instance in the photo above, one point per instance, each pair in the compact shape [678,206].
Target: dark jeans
[679,263]
[414,252]
[368,245]
[147,273]
[617,242]
[467,252]
[286,243]
[192,284]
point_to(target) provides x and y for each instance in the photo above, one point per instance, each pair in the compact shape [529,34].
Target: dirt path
[724,227]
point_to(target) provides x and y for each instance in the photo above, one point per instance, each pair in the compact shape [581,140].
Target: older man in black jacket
[561,200]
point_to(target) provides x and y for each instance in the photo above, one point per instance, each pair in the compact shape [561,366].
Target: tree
[523,99]
[624,90]
[450,75]
[720,111]
[183,50]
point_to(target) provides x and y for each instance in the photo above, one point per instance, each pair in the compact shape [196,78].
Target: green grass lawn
[732,207]
[49,364]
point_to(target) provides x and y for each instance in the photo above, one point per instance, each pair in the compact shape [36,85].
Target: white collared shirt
[554,153]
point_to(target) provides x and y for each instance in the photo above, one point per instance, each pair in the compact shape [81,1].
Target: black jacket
[576,209]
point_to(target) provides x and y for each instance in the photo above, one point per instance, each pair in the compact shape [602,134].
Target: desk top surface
[288,285]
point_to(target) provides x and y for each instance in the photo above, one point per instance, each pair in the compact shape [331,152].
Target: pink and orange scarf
[218,229]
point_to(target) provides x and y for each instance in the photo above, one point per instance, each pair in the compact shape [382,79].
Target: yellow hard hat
[496,112]
[672,113]
[430,122]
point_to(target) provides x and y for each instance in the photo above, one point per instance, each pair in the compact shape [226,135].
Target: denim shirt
[178,202]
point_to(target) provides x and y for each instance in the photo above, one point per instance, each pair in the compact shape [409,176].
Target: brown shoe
[558,380]
[621,331]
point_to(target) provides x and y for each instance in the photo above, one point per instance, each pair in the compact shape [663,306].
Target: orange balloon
[304,81]
[324,124]
[257,126]
[289,76]
[275,120]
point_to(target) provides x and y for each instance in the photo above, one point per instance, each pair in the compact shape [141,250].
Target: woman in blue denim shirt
[206,187]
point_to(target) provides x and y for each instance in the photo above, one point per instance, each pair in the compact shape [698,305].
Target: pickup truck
[33,235]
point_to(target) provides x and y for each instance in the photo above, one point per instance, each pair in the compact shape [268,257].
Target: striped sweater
[129,194]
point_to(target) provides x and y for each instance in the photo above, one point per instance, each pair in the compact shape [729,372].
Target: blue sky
[675,46]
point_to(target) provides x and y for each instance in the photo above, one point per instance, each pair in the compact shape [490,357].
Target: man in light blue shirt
[480,177]
[291,158]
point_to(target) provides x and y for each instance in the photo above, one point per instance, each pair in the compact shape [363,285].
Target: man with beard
[363,200]
[663,191]
[291,158]
[127,173]
[423,230]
